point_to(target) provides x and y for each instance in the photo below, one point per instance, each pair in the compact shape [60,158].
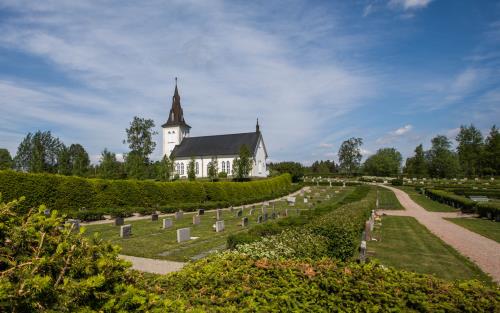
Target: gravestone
[266,217]
[119,221]
[250,212]
[201,212]
[167,223]
[154,217]
[125,231]
[368,235]
[239,213]
[219,226]
[362,251]
[218,214]
[244,222]
[273,215]
[183,234]
[75,224]
[291,200]
[196,219]
[179,215]
[260,219]
[264,210]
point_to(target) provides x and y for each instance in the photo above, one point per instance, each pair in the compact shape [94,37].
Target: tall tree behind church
[140,141]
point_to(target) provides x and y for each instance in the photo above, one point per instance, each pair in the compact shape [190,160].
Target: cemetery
[152,239]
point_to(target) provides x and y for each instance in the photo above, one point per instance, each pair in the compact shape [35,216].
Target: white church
[178,145]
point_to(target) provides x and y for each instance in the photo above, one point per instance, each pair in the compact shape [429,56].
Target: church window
[228,167]
[182,168]
[260,167]
[197,168]
[177,168]
[223,166]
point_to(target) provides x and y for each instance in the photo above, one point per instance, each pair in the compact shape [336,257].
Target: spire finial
[176,80]
[257,127]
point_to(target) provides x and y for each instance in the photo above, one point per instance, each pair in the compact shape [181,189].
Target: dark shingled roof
[216,145]
[176,115]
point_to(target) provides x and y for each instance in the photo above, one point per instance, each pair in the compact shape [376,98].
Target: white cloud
[368,10]
[326,145]
[231,70]
[410,4]
[403,130]
[394,135]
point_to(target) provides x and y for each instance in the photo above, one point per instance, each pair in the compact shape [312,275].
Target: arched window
[223,166]
[182,168]
[228,167]
[260,167]
[197,168]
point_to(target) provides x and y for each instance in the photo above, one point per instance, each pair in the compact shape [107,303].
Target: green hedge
[460,202]
[489,210]
[92,198]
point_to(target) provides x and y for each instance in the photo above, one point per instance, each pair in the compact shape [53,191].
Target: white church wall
[259,169]
[203,162]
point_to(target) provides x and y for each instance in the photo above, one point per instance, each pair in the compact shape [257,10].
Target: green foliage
[136,166]
[109,167]
[140,137]
[45,267]
[232,282]
[5,159]
[385,162]
[416,166]
[491,153]
[443,163]
[88,197]
[79,159]
[350,155]
[222,175]
[191,170]
[242,165]
[397,182]
[470,149]
[38,153]
[295,169]
[164,169]
[490,210]
[463,203]
[212,169]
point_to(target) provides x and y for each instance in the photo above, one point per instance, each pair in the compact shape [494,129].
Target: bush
[464,204]
[489,210]
[397,182]
[95,196]
[222,175]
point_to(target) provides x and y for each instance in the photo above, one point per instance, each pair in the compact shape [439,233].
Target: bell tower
[175,129]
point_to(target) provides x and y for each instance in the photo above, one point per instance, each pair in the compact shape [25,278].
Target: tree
[140,137]
[323,167]
[64,161]
[470,148]
[38,153]
[213,169]
[443,163]
[350,155]
[80,160]
[135,165]
[491,153]
[109,167]
[5,160]
[191,170]
[164,168]
[385,162]
[416,166]
[295,169]
[242,165]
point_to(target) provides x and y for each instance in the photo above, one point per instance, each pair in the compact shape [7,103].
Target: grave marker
[167,223]
[196,219]
[183,234]
[259,219]
[218,214]
[154,217]
[219,226]
[239,213]
[179,215]
[250,212]
[266,217]
[119,221]
[125,231]
[244,222]
[201,212]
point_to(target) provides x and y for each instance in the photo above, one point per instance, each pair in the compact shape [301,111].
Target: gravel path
[153,265]
[481,250]
[145,217]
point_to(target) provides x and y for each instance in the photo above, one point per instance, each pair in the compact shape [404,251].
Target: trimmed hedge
[91,198]
[456,201]
[490,210]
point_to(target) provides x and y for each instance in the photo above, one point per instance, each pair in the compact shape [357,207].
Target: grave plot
[158,239]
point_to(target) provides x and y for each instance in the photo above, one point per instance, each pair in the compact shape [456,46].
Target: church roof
[176,115]
[216,145]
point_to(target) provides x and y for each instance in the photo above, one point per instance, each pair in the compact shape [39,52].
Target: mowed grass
[149,240]
[406,244]
[387,200]
[428,204]
[487,228]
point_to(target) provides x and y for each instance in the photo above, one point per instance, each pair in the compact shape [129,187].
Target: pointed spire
[176,91]
[176,116]
[257,127]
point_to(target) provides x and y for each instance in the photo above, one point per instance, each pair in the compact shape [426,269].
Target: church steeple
[176,115]
[257,127]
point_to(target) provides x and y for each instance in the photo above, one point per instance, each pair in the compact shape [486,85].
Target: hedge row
[334,183]
[490,210]
[97,196]
[456,201]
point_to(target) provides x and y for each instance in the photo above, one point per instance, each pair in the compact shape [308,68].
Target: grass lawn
[387,200]
[487,228]
[426,203]
[151,241]
[408,245]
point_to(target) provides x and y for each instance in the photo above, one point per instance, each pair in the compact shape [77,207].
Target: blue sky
[394,72]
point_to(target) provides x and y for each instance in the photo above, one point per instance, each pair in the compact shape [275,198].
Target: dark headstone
[46,212]
[266,217]
[244,222]
[119,221]
[239,213]
[125,231]
[273,215]
[154,217]
[201,212]
[260,219]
